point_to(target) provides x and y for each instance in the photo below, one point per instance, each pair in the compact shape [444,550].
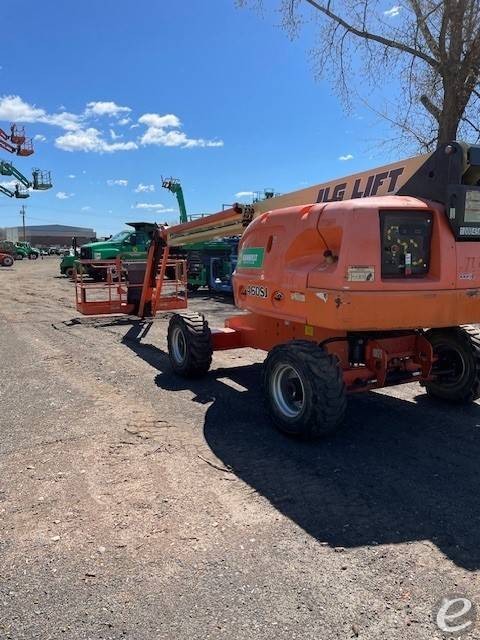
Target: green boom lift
[41,181]
[209,264]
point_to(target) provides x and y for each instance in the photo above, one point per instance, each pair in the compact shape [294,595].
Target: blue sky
[118,93]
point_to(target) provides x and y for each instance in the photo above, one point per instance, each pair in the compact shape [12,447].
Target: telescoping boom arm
[41,181]
[7,192]
[173,185]
[449,175]
[7,169]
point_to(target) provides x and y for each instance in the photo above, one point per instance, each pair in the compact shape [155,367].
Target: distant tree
[429,49]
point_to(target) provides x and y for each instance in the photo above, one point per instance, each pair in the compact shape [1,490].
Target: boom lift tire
[304,389]
[189,344]
[7,261]
[69,272]
[457,368]
[32,256]
[19,256]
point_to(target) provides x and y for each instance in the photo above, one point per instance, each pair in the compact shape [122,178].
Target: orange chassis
[389,359]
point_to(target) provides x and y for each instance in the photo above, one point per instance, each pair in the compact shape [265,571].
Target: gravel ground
[134,504]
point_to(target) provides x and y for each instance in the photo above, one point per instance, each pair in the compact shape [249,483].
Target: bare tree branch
[366,35]
[429,49]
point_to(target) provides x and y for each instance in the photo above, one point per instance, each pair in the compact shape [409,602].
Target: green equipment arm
[14,194]
[173,185]
[6,191]
[7,169]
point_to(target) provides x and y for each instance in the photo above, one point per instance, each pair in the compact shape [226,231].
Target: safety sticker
[360,274]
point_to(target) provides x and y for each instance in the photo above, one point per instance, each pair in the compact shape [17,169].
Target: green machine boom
[209,264]
[173,185]
[41,181]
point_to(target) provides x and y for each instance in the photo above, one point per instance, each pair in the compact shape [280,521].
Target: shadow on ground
[399,471]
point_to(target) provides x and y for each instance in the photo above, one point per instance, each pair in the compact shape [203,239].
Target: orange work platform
[114,289]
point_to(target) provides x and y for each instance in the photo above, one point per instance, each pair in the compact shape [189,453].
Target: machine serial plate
[361,274]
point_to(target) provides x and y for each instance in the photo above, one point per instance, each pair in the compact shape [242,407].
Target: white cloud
[105,109]
[118,183]
[39,138]
[87,208]
[72,176]
[145,188]
[347,156]
[161,130]
[8,184]
[64,120]
[393,12]
[14,109]
[61,195]
[155,207]
[91,140]
[115,136]
[157,133]
[160,122]
[164,138]
[244,194]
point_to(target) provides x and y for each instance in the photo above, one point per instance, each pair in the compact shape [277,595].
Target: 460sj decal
[257,291]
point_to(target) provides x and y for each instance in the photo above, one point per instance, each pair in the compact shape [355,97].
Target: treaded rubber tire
[466,341]
[325,396]
[69,271]
[19,256]
[32,256]
[7,261]
[198,344]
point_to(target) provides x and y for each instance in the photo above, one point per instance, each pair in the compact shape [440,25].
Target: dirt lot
[137,505]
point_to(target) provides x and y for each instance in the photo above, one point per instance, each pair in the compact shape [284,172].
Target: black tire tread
[199,342]
[329,399]
[470,336]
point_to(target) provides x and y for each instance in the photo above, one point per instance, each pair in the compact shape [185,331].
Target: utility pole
[22,213]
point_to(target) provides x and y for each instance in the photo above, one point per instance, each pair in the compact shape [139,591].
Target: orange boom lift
[352,285]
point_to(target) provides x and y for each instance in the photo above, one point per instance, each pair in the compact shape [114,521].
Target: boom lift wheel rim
[459,349]
[456,361]
[179,345]
[195,359]
[287,390]
[321,403]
